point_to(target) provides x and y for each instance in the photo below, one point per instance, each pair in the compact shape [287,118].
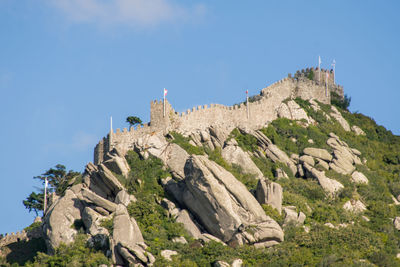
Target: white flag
[319,60]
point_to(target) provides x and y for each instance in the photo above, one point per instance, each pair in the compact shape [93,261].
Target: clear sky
[66,66]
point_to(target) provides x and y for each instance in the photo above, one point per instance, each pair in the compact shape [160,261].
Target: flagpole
[319,69]
[45,196]
[164,103]
[326,84]
[334,71]
[247,103]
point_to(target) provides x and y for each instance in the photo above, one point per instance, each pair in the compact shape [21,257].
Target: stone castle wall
[332,86]
[198,118]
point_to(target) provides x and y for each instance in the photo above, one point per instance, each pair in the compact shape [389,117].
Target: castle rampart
[256,115]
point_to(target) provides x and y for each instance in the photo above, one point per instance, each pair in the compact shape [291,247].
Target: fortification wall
[198,118]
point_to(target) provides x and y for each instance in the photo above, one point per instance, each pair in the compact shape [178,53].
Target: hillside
[313,185]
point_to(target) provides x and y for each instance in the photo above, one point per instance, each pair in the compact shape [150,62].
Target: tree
[58,178]
[58,181]
[34,202]
[133,120]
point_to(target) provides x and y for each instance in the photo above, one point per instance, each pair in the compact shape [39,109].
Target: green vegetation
[133,120]
[249,180]
[184,143]
[246,141]
[340,102]
[282,131]
[108,224]
[157,227]
[58,181]
[360,243]
[311,75]
[76,254]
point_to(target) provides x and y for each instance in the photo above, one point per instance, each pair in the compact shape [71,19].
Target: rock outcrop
[330,186]
[292,111]
[60,218]
[270,193]
[224,206]
[233,154]
[171,154]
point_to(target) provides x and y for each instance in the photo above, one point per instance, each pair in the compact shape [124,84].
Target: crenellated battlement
[163,118]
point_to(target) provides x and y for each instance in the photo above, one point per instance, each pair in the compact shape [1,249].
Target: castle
[257,114]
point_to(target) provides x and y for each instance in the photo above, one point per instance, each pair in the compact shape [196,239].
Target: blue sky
[66,66]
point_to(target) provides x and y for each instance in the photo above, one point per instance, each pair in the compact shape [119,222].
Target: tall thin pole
[45,196]
[110,141]
[165,93]
[319,69]
[334,71]
[326,83]
[247,104]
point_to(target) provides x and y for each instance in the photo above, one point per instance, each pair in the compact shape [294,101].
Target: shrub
[76,254]
[184,143]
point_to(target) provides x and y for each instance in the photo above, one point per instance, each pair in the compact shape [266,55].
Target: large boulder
[92,198]
[189,225]
[292,111]
[224,206]
[318,153]
[330,186]
[355,206]
[338,116]
[293,217]
[60,218]
[171,154]
[344,157]
[116,162]
[125,228]
[359,178]
[270,193]
[233,154]
[92,221]
[128,240]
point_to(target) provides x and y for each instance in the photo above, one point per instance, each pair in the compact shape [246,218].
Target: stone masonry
[261,112]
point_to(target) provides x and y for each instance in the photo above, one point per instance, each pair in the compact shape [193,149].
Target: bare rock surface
[355,206]
[345,158]
[171,154]
[330,186]
[116,162]
[338,116]
[396,223]
[292,111]
[60,218]
[293,217]
[270,193]
[167,254]
[126,229]
[233,154]
[359,178]
[272,151]
[307,159]
[357,130]
[192,229]
[318,153]
[224,205]
[93,198]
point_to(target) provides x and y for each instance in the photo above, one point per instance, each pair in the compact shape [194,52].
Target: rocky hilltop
[305,183]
